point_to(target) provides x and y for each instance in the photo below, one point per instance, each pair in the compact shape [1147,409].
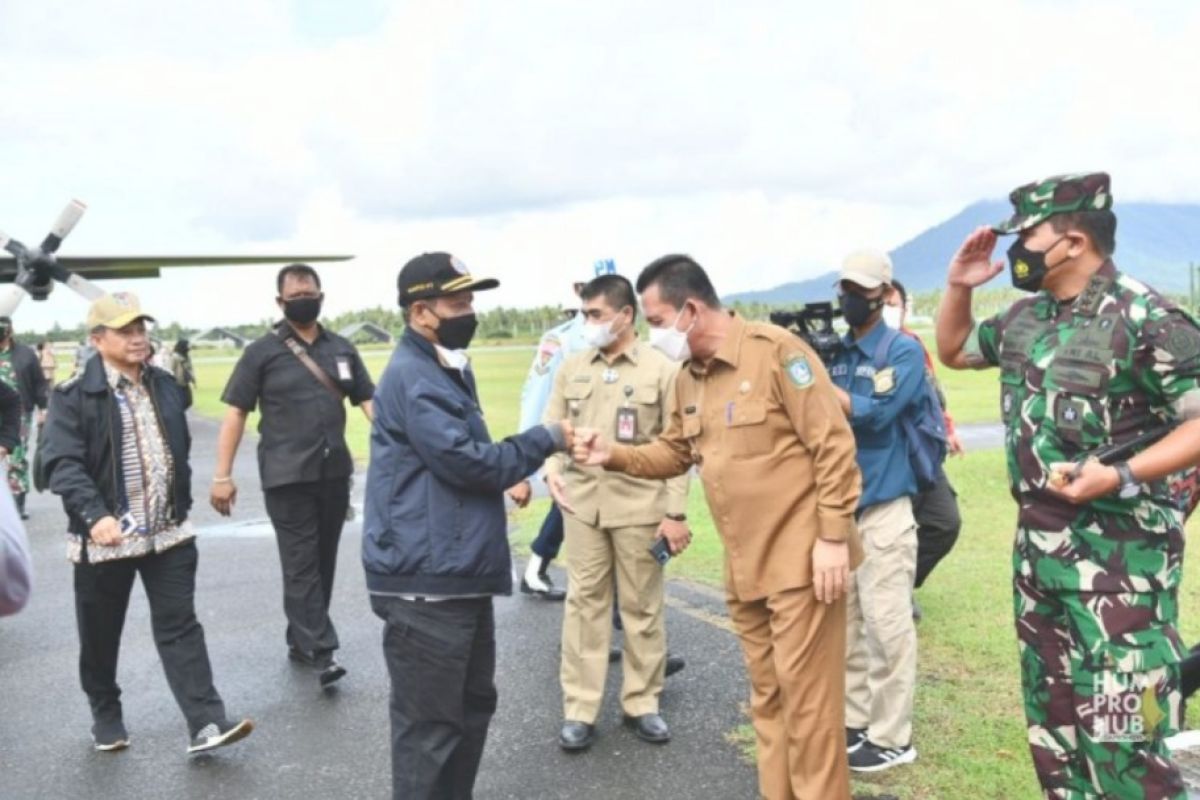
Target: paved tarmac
[335,744]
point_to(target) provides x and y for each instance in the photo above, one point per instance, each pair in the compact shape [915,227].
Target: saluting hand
[830,569]
[222,496]
[972,265]
[106,532]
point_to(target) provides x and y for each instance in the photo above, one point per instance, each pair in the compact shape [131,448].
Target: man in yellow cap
[116,452]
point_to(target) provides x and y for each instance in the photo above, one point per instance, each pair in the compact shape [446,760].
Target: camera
[814,324]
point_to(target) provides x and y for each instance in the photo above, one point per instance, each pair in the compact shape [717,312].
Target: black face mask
[456,333]
[1028,268]
[302,310]
[856,309]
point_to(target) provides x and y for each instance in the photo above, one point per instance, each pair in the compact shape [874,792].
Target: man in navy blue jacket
[875,388]
[435,544]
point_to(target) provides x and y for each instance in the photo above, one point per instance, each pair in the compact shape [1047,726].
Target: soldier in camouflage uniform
[1092,358]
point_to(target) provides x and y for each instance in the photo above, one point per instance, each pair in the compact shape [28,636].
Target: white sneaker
[212,735]
[870,757]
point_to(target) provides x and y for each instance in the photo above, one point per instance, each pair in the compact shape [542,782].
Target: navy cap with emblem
[432,275]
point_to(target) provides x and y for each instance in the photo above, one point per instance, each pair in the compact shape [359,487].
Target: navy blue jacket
[81,444]
[435,522]
[875,403]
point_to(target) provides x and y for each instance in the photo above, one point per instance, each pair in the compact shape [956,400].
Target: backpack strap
[302,355]
[879,359]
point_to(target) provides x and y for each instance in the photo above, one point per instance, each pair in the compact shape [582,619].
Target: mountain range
[1155,243]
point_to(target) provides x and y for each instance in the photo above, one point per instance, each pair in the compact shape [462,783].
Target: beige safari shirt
[775,452]
[593,391]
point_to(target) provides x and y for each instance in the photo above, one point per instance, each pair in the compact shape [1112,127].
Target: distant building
[220,337]
[366,333]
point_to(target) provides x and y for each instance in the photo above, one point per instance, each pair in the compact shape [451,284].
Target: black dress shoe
[576,735]
[331,673]
[299,656]
[550,593]
[674,664]
[649,728]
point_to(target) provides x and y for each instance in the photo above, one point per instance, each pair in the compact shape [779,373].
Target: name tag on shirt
[626,425]
[344,370]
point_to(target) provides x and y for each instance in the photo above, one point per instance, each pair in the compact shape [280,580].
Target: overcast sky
[532,138]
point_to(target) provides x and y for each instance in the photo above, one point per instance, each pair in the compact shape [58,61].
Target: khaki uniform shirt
[775,452]
[592,391]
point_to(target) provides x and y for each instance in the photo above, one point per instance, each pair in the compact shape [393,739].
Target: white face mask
[671,342]
[599,334]
[892,315]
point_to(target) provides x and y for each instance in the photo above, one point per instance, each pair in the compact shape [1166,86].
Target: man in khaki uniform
[755,410]
[612,521]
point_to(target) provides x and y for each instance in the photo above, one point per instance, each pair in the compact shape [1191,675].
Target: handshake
[585,445]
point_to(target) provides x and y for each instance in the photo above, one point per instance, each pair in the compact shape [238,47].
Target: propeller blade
[67,221]
[11,245]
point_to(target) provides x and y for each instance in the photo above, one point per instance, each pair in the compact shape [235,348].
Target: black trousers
[938,524]
[308,519]
[101,600]
[442,661]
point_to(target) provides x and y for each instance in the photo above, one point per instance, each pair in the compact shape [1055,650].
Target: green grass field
[969,727]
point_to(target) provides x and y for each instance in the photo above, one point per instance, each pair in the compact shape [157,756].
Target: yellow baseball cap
[115,310]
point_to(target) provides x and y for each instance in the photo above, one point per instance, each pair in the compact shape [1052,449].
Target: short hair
[1100,227]
[616,289]
[899,287]
[300,271]
[679,279]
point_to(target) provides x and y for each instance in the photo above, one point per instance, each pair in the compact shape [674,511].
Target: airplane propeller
[34,270]
[37,268]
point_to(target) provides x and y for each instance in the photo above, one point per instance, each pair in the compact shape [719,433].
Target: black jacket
[31,381]
[82,444]
[10,417]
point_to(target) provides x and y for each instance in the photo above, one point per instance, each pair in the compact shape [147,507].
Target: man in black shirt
[298,375]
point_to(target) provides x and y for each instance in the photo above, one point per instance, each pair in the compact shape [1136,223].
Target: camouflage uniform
[1095,584]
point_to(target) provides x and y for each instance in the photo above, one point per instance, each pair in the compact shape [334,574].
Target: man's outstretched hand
[591,449]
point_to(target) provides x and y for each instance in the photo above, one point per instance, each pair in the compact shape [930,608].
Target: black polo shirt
[303,425]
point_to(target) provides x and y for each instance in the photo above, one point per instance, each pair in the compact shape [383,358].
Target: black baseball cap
[432,275]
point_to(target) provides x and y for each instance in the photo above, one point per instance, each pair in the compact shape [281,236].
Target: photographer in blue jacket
[435,546]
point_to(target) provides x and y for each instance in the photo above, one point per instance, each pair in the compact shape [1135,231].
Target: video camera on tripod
[814,324]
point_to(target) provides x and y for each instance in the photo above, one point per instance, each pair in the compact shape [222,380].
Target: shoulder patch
[1183,341]
[798,371]
[885,381]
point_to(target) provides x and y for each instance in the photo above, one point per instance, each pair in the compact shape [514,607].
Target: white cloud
[532,137]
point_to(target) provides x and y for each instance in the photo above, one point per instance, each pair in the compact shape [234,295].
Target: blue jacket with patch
[876,401]
[435,522]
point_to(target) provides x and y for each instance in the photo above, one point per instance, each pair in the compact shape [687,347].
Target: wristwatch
[677,517]
[1129,488]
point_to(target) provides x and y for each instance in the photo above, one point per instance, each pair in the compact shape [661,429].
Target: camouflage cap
[1062,194]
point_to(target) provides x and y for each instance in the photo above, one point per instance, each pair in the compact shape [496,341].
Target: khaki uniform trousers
[593,556]
[795,649]
[881,638]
